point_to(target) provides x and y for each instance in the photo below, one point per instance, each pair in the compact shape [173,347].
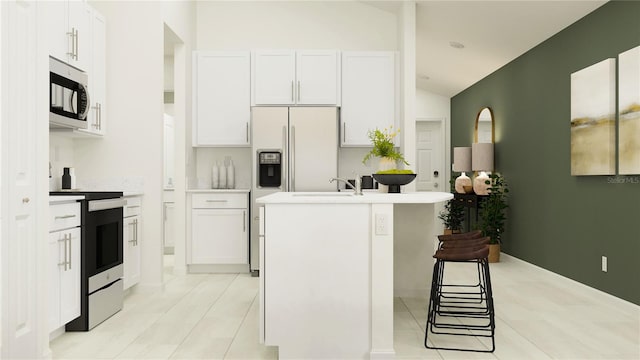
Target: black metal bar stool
[471,313]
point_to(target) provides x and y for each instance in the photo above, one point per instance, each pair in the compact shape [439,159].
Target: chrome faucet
[357,189]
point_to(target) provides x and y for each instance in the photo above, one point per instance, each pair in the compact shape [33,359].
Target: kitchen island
[327,270]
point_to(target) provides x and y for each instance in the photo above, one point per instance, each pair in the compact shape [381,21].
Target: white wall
[346,25]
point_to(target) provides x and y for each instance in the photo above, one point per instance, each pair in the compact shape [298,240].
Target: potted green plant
[384,148]
[453,214]
[492,214]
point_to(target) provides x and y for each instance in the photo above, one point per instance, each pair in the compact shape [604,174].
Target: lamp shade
[461,159]
[482,156]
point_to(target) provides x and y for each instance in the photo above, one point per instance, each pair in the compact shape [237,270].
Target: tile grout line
[163,314]
[239,327]
[203,315]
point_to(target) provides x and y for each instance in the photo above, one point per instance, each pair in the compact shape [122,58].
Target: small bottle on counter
[231,175]
[222,174]
[66,178]
[214,176]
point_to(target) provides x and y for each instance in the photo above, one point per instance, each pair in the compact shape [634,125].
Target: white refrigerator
[307,139]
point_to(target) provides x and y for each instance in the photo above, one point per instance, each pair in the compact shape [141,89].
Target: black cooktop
[90,195]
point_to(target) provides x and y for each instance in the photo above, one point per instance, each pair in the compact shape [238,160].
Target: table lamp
[462,163]
[482,161]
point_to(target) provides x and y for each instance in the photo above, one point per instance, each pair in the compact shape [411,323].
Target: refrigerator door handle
[285,152]
[293,158]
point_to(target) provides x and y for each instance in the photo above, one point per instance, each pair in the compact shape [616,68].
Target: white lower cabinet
[64,264]
[131,238]
[219,229]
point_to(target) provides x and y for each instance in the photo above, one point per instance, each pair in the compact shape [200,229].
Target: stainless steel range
[101,257]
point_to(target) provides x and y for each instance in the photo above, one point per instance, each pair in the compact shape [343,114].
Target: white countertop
[350,198]
[64,198]
[218,190]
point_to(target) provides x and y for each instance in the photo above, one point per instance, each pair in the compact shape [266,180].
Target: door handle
[436,173]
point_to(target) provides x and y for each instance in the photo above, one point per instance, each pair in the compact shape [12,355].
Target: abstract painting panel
[629,112]
[593,119]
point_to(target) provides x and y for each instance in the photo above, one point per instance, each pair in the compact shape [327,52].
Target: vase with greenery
[493,211]
[383,147]
[453,214]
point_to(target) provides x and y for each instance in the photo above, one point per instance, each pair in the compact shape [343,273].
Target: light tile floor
[539,315]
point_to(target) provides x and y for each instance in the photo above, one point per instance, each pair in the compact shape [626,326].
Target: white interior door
[430,159]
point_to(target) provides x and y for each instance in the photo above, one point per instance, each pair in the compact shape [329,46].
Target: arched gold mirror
[485,126]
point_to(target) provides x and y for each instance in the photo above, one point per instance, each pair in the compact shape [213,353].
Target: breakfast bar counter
[327,270]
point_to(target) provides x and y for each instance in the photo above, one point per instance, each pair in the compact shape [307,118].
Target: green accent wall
[560,222]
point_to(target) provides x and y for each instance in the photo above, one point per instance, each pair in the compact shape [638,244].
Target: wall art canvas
[593,119]
[629,112]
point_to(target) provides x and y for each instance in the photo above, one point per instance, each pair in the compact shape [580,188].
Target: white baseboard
[607,295]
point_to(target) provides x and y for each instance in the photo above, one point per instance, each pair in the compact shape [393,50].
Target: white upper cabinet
[368,95]
[222,98]
[76,34]
[69,31]
[305,77]
[97,74]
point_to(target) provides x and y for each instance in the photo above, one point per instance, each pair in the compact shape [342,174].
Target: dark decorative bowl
[394,180]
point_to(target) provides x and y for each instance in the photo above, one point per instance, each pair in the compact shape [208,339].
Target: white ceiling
[493,34]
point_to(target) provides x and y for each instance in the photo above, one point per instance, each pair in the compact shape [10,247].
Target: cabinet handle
[135,231]
[216,200]
[344,132]
[298,90]
[133,206]
[64,263]
[99,116]
[292,98]
[247,132]
[25,200]
[69,261]
[77,37]
[244,221]
[72,38]
[292,158]
[65,216]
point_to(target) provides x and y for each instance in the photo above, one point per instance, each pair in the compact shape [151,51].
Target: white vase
[222,177]
[215,176]
[480,186]
[385,163]
[231,176]
[462,181]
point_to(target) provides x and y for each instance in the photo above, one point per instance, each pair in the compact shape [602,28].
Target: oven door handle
[96,205]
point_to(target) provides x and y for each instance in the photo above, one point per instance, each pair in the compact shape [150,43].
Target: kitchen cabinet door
[305,77]
[222,98]
[53,271]
[368,95]
[64,277]
[131,236]
[55,18]
[80,14]
[274,77]
[219,236]
[70,280]
[317,77]
[96,119]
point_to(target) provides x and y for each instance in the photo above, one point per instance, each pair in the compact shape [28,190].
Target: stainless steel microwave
[69,101]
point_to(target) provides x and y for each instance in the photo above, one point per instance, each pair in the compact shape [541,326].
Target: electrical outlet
[604,264]
[382,228]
